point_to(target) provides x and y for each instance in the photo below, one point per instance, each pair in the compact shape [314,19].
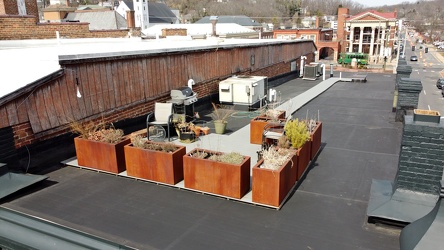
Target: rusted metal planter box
[158,166]
[270,187]
[257,126]
[101,155]
[315,139]
[215,177]
[303,158]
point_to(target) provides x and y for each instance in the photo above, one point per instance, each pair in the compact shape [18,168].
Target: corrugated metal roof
[99,20]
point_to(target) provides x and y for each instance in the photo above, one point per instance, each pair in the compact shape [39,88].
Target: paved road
[427,69]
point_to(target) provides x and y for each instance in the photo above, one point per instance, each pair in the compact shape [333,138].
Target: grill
[183,100]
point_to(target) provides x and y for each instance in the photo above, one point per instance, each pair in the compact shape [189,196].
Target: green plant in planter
[297,133]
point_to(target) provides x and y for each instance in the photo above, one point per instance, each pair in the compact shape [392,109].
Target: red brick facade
[23,134]
[25,27]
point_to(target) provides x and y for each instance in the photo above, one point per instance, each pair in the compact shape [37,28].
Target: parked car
[440,83]
[442,92]
[414,58]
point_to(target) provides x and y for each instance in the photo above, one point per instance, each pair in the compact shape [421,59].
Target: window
[312,37]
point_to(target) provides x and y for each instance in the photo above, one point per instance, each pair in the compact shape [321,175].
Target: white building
[146,13]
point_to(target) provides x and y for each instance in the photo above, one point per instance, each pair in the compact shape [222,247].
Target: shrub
[297,133]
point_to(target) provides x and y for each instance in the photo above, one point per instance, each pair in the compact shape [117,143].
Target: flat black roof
[361,142]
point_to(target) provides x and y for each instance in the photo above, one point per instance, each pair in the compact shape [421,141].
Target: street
[427,69]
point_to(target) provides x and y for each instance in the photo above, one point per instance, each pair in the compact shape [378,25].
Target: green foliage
[296,132]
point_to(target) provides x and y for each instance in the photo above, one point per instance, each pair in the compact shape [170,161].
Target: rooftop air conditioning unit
[318,68]
[310,72]
[247,91]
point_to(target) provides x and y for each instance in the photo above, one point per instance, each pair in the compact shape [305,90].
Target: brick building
[369,32]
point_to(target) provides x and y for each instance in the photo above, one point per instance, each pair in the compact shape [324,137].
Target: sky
[376,3]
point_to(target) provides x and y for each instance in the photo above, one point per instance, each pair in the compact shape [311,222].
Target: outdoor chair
[271,134]
[161,117]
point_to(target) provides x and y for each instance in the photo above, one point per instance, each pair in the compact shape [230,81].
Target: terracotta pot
[164,167]
[205,130]
[270,187]
[231,180]
[101,155]
[197,130]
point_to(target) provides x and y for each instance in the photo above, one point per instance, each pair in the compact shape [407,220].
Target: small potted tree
[99,146]
[297,137]
[155,161]
[220,115]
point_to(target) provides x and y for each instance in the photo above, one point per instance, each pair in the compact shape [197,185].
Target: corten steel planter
[270,187]
[257,126]
[421,115]
[293,176]
[215,177]
[101,155]
[158,166]
[303,158]
[315,139]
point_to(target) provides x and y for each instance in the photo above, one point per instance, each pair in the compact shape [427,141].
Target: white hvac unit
[310,72]
[243,90]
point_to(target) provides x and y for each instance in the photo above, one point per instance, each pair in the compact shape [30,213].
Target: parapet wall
[15,27]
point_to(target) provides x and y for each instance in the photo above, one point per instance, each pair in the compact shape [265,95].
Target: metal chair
[162,116]
[272,132]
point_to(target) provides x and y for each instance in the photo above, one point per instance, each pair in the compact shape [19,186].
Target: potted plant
[220,115]
[226,174]
[271,180]
[258,123]
[185,131]
[99,146]
[297,137]
[155,161]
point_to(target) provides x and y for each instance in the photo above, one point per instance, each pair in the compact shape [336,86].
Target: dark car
[440,83]
[414,58]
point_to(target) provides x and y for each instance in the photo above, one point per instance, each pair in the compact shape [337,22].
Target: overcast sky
[375,3]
